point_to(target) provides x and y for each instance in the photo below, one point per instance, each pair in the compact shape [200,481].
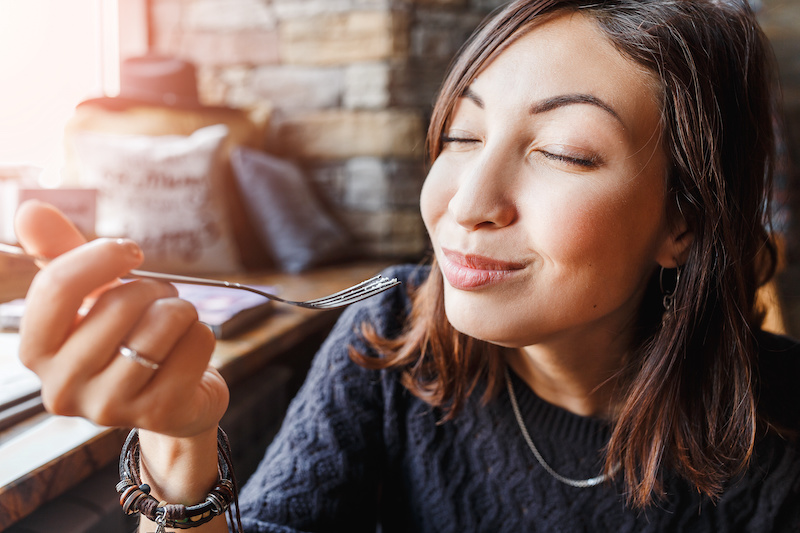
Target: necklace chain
[579,483]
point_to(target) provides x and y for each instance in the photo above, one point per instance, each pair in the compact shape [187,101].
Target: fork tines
[355,293]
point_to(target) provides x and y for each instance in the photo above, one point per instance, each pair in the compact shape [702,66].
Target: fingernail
[130,247]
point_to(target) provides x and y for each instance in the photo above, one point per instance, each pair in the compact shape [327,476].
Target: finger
[190,413]
[183,381]
[92,345]
[189,359]
[43,230]
[115,396]
[58,291]
[184,396]
[209,401]
[154,337]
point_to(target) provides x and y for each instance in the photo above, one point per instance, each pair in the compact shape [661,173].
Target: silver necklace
[579,483]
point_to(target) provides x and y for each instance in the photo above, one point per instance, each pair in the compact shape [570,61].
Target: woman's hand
[77,317]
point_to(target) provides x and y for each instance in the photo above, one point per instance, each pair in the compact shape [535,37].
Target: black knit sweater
[358,450]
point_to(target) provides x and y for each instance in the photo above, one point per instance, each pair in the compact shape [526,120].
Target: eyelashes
[590,162]
[446,139]
[584,162]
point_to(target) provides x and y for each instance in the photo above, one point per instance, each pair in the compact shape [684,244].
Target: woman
[583,354]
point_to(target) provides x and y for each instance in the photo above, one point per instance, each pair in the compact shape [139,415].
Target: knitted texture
[357,450]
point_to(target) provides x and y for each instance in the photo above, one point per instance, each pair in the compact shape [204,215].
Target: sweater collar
[543,417]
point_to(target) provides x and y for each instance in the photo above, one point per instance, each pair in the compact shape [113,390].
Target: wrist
[179,470]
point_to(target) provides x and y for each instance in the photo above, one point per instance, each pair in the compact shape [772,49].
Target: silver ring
[131,354]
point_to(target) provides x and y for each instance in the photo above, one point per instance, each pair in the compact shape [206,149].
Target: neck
[580,381]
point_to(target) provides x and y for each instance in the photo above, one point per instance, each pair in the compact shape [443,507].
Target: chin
[480,322]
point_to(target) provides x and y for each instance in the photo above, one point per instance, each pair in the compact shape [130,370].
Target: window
[53,54]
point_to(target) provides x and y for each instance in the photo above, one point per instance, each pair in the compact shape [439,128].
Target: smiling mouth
[471,272]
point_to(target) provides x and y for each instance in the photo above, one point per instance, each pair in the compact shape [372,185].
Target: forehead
[569,54]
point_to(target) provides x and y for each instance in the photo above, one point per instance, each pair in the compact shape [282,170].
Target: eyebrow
[554,102]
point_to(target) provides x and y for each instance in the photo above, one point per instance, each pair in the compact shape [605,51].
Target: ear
[674,250]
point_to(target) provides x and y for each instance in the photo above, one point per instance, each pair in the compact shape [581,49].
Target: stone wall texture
[350,85]
[781,22]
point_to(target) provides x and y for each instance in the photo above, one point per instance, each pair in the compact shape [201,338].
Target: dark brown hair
[687,398]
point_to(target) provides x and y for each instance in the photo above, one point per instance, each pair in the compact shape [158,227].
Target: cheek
[601,226]
[434,196]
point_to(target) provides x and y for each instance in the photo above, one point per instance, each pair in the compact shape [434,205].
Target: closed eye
[591,162]
[446,139]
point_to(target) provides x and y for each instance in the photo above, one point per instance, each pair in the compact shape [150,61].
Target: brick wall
[351,82]
[781,21]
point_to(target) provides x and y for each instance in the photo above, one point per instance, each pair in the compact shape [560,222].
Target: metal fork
[350,295]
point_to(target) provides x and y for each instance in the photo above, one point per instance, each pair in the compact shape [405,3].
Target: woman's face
[546,206]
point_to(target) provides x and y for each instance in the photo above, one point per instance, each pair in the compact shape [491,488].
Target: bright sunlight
[51,58]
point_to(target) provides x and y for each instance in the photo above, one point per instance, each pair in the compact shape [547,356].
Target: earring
[669,295]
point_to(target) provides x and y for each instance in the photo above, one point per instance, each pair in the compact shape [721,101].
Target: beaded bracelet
[134,496]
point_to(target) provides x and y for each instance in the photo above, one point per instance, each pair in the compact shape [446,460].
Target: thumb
[44,230]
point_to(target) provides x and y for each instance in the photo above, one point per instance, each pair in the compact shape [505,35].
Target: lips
[471,272]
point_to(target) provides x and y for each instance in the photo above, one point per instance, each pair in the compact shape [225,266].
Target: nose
[484,196]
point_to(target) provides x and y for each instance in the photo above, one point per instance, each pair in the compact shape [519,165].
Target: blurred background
[324,105]
[341,87]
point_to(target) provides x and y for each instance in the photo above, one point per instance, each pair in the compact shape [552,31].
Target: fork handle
[175,278]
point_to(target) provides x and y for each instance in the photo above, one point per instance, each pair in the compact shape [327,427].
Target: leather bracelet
[134,496]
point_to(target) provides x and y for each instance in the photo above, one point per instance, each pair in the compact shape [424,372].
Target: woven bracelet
[134,496]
